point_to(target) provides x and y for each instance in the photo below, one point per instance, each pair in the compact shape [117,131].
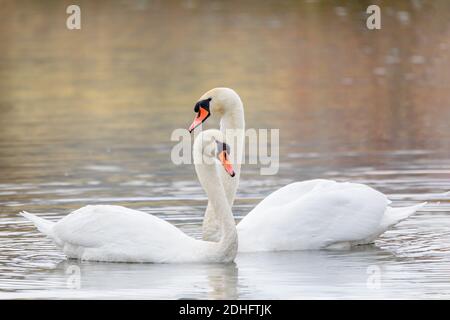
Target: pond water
[86,118]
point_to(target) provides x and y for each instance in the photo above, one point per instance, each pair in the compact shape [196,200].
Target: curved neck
[212,184]
[233,117]
[232,125]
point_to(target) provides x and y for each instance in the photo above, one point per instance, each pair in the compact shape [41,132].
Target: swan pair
[312,214]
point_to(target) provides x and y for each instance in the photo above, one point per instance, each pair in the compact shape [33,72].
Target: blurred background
[86,115]
[117,88]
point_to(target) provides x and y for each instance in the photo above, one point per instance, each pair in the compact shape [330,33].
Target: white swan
[118,234]
[310,214]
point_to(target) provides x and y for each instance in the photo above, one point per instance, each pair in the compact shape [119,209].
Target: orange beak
[226,164]
[202,115]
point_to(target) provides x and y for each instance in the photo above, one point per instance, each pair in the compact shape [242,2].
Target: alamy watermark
[373,22]
[262,148]
[374,278]
[73,22]
[74,277]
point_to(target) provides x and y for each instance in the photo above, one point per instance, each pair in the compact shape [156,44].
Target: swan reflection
[288,275]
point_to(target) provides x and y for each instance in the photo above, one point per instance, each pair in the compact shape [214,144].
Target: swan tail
[392,216]
[43,225]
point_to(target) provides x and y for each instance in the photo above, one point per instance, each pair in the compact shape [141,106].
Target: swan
[313,214]
[118,234]
[228,105]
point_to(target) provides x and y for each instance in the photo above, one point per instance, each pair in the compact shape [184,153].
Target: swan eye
[202,104]
[222,146]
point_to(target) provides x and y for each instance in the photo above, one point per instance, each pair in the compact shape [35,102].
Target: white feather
[317,214]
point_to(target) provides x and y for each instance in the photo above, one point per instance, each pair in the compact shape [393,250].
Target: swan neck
[233,117]
[232,125]
[212,184]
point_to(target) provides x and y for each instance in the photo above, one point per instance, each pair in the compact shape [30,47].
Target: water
[86,118]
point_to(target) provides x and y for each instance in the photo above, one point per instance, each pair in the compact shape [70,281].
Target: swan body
[317,214]
[115,233]
[118,234]
[311,214]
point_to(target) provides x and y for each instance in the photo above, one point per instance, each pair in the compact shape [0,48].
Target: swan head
[210,147]
[217,101]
